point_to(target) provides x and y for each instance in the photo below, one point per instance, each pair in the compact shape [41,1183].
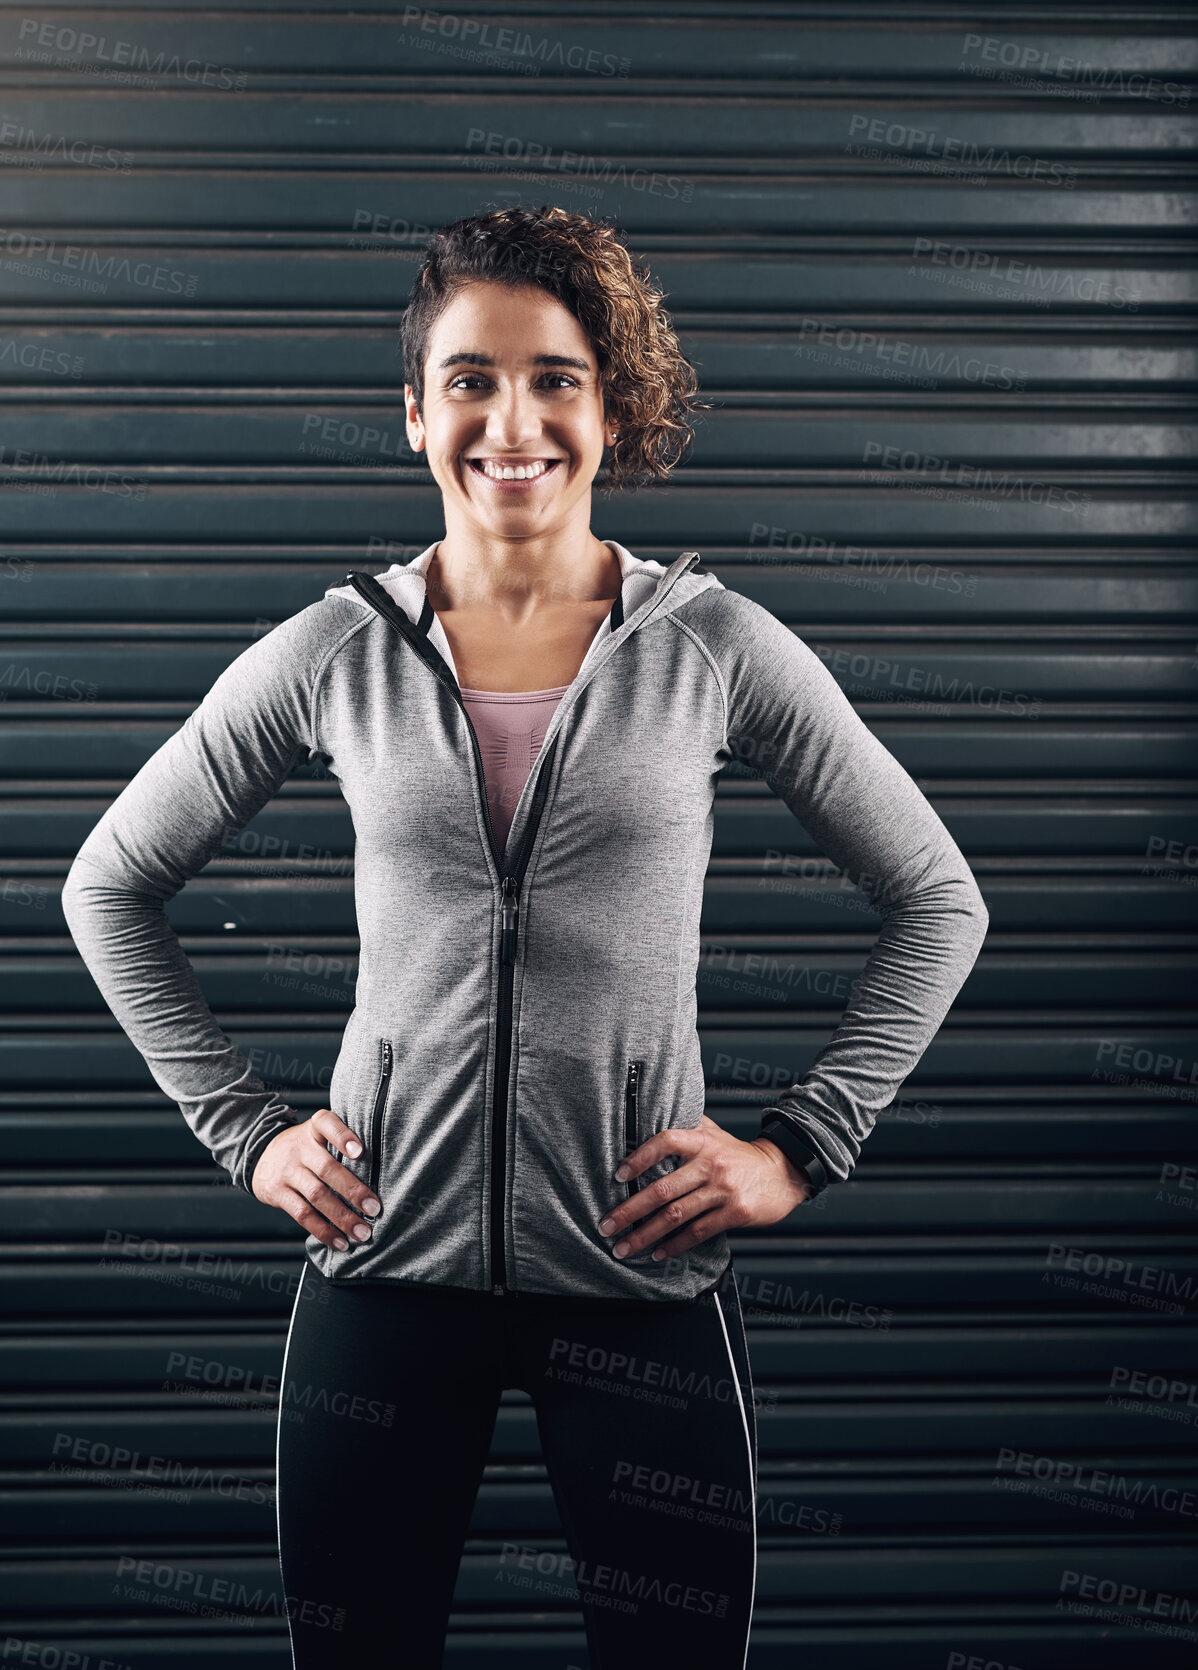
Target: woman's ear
[413,421]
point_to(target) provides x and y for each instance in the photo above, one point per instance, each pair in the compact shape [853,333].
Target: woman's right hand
[296,1173]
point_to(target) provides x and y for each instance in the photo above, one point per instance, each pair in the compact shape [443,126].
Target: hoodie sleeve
[202,786]
[790,719]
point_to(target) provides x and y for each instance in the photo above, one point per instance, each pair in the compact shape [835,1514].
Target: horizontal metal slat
[240,1502]
[1140,1361]
[739,973]
[64,681]
[1119,824]
[860,1289]
[1007,446]
[63,746]
[126,1135]
[599,48]
[1028,1205]
[298,1052]
[1142,1368]
[64,361]
[316,896]
[353,507]
[319,272]
[748,204]
[695,122]
[85,1447]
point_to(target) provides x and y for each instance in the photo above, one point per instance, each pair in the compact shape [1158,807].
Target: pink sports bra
[510,725]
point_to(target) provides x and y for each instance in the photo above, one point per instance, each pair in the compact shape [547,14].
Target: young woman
[514,1183]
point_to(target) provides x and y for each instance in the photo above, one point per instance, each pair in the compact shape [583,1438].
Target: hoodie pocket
[632,1117]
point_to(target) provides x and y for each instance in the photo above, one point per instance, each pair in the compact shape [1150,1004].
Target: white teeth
[518,472]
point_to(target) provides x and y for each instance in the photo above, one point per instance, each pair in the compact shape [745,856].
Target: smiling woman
[515,1183]
[617,343]
[533,343]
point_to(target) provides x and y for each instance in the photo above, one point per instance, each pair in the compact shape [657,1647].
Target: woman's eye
[475,379]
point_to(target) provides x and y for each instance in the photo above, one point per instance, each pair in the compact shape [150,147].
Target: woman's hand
[724,1184]
[296,1172]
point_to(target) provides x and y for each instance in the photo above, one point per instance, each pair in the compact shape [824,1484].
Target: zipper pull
[510,916]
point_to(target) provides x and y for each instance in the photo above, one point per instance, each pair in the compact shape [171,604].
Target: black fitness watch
[776,1126]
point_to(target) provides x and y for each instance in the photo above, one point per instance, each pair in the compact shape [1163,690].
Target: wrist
[795,1174]
[797,1148]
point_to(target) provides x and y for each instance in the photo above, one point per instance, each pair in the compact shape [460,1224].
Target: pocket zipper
[632,1117]
[380,1102]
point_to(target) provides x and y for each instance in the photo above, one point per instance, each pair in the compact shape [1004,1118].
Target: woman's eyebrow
[485,359]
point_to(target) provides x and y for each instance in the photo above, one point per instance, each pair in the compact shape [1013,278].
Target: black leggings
[645,1415]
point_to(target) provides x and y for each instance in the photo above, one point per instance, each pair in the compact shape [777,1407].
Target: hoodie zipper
[510,882]
[511,877]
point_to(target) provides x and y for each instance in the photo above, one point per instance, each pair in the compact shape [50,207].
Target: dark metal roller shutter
[935,267]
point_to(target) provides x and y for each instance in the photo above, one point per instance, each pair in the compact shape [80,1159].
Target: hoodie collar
[406,583]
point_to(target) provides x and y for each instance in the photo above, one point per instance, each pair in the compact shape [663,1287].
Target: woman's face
[510,379]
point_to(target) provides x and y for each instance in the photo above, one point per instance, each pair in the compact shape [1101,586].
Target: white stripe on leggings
[719,1310]
[278,1430]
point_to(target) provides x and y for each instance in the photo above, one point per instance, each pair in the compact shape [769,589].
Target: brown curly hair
[649,387]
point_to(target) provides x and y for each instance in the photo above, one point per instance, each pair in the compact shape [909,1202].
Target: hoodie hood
[405,584]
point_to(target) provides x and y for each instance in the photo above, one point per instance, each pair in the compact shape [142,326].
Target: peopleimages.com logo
[47,41]
[76,266]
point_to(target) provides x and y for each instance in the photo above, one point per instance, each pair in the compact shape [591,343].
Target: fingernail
[370,1207]
[658,1256]
[622,1174]
[361,1232]
[605,1226]
[353,1149]
[620,1248]
[341,1244]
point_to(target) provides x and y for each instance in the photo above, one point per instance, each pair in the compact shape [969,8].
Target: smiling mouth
[526,470]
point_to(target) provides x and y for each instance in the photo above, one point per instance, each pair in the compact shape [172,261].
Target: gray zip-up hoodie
[521,1023]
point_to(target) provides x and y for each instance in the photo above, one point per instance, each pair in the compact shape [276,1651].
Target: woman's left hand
[724,1184]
